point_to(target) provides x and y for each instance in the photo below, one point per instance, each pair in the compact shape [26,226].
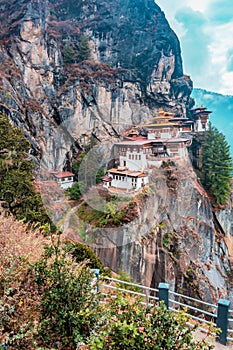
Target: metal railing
[199,311]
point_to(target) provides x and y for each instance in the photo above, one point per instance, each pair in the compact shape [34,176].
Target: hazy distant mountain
[222,108]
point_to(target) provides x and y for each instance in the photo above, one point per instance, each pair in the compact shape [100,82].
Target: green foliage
[83,48]
[123,276]
[127,324]
[217,168]
[68,304]
[108,215]
[76,164]
[16,175]
[99,175]
[72,54]
[81,252]
[69,53]
[54,305]
[76,191]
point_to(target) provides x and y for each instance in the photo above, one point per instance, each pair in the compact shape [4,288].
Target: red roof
[137,138]
[129,173]
[107,178]
[63,174]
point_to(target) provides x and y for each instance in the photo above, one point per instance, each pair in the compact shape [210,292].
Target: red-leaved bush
[19,301]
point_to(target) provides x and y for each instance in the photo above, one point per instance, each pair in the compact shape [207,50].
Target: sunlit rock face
[134,68]
[171,238]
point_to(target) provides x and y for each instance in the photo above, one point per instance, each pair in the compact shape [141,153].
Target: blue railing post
[164,293]
[222,320]
[96,278]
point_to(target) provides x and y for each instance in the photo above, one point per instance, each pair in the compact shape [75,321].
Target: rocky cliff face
[172,238]
[134,67]
[60,90]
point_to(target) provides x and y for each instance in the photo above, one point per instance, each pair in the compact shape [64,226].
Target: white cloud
[199,5]
[219,48]
[205,31]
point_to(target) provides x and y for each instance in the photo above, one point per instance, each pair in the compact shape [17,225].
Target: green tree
[100,173]
[81,252]
[76,164]
[76,191]
[16,176]
[83,48]
[69,53]
[68,303]
[216,165]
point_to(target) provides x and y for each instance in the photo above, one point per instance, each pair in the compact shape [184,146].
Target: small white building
[122,178]
[64,178]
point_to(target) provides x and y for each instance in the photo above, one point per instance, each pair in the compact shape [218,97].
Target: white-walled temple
[137,154]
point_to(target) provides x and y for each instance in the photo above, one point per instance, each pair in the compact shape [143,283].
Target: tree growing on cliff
[16,175]
[216,165]
[83,48]
[69,53]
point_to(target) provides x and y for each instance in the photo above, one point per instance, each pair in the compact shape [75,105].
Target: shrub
[128,324]
[68,304]
[19,298]
[76,191]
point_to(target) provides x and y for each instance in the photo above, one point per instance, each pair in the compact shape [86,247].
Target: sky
[205,31]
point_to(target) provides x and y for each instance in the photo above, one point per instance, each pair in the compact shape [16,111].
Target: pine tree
[83,48]
[69,53]
[216,165]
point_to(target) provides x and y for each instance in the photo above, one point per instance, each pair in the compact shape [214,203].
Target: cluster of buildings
[165,138]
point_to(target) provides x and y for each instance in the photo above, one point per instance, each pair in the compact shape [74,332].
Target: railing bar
[123,290]
[190,298]
[142,303]
[130,283]
[192,308]
[230,330]
[201,319]
[228,338]
[194,317]
[152,297]
[171,308]
[200,328]
[114,297]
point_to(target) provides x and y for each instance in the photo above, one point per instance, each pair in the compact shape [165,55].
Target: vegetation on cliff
[16,176]
[216,171]
[47,301]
